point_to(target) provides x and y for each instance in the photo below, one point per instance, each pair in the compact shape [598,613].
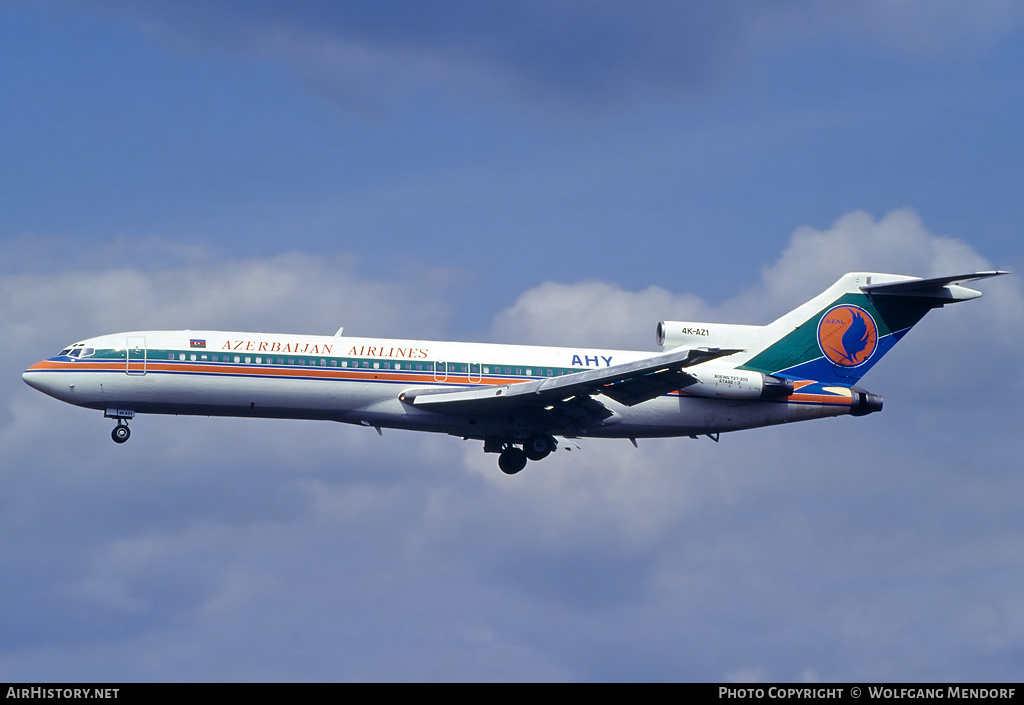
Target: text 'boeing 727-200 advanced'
[517,399]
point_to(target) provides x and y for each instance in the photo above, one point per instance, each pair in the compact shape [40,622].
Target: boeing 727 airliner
[517,399]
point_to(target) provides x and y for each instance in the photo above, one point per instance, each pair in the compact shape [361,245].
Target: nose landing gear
[121,433]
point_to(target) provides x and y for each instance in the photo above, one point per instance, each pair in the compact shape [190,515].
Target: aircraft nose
[44,380]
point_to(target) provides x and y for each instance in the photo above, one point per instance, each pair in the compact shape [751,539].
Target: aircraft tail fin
[839,335]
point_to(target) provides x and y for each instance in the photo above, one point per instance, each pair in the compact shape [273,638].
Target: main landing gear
[512,459]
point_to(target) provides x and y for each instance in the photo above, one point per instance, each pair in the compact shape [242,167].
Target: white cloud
[592,313]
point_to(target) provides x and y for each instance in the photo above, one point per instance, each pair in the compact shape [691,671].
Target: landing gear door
[136,355]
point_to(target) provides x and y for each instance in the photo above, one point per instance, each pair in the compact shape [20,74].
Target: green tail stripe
[891,314]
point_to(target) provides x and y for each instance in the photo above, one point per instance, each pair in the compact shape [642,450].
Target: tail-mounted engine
[674,334]
[726,383]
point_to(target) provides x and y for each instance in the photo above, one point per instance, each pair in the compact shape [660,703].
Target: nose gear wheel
[121,432]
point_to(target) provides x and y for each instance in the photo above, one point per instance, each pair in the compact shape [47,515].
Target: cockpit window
[77,350]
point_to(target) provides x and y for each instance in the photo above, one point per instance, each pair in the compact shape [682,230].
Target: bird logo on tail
[847,335]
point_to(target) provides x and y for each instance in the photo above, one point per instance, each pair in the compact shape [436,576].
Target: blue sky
[537,172]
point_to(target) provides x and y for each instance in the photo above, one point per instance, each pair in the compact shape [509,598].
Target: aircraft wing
[571,395]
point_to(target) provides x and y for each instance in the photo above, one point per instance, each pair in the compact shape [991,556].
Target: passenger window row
[473,370]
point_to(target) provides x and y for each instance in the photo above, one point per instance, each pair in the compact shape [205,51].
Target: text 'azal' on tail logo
[847,335]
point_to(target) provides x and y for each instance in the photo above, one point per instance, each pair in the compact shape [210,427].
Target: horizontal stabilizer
[938,287]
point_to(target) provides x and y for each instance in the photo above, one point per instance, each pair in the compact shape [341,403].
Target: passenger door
[136,355]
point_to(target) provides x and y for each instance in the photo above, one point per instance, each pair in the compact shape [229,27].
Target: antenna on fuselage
[338,334]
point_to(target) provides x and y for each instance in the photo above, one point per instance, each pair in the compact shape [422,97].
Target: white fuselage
[360,380]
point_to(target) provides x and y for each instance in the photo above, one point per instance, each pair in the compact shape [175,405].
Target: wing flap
[649,386]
